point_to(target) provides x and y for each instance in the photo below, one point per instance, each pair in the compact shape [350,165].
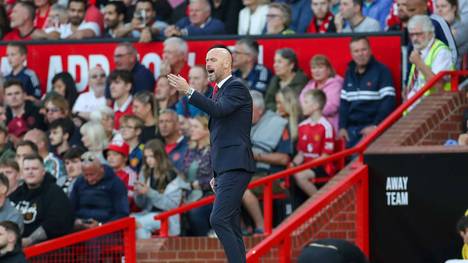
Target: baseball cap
[17,126]
[118,146]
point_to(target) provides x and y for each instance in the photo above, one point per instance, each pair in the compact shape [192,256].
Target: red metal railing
[267,182]
[111,242]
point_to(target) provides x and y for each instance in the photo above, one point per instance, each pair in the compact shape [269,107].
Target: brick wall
[434,120]
[335,221]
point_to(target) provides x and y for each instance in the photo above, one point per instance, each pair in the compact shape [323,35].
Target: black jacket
[15,256]
[47,206]
[31,115]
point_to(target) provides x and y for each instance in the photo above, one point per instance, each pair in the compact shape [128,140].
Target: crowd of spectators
[132,146]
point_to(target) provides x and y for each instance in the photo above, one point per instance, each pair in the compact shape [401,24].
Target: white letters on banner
[397,191]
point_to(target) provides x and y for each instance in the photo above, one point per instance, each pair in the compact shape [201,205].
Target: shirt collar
[220,84]
[124,106]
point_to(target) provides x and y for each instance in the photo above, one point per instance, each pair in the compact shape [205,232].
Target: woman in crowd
[94,139]
[146,108]
[448,9]
[287,106]
[252,18]
[159,189]
[105,116]
[63,84]
[279,19]
[287,74]
[323,19]
[197,168]
[325,78]
[56,107]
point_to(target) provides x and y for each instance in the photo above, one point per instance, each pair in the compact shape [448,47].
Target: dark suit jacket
[230,121]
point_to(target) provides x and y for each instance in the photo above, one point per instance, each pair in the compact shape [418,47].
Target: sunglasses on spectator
[52,110]
[98,76]
[88,157]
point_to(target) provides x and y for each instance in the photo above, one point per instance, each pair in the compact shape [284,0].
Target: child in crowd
[130,128]
[117,157]
[315,140]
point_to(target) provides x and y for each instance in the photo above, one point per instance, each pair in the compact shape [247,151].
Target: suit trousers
[225,216]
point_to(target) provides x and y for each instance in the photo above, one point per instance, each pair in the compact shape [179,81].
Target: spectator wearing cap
[126,58]
[245,62]
[130,128]
[22,23]
[46,210]
[72,160]
[17,59]
[6,152]
[60,132]
[252,18]
[121,84]
[22,114]
[10,237]
[11,169]
[279,19]
[52,164]
[117,158]
[77,28]
[98,196]
[176,144]
[7,210]
[198,23]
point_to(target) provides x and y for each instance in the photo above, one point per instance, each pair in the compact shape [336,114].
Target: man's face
[21,152]
[53,112]
[19,15]
[163,89]
[76,13]
[92,173]
[240,56]
[56,136]
[11,174]
[198,79]
[402,10]
[415,7]
[97,79]
[4,237]
[119,88]
[320,8]
[167,125]
[172,55]
[116,160]
[123,58]
[111,18]
[361,53]
[146,12]
[419,38]
[216,64]
[347,9]
[73,167]
[33,173]
[128,130]
[15,58]
[14,96]
[198,13]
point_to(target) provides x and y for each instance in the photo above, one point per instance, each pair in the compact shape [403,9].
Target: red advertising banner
[77,58]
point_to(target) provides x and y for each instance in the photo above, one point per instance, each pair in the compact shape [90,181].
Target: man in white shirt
[429,57]
[77,28]
[93,99]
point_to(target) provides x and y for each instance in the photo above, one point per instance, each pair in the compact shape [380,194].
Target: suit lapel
[223,88]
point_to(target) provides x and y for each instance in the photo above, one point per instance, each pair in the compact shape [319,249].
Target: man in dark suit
[230,110]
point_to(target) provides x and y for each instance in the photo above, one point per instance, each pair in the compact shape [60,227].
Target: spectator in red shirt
[22,23]
[315,140]
[165,95]
[121,84]
[42,12]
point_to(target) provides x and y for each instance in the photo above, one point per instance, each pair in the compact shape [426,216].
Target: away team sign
[49,59]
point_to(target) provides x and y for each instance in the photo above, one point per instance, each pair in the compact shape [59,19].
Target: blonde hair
[96,134]
[204,122]
[291,106]
[322,60]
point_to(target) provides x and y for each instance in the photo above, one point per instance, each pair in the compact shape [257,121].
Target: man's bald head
[416,7]
[218,63]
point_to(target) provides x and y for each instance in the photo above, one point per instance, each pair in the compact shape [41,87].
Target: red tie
[215,89]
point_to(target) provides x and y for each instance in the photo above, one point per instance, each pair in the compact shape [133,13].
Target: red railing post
[454,78]
[268,208]
[164,231]
[285,250]
[362,211]
[130,240]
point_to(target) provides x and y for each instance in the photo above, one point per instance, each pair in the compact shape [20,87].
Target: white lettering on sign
[397,191]
[55,66]
[152,59]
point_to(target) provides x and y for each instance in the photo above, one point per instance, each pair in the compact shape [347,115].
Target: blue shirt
[378,10]
[177,154]
[143,79]
[30,82]
[184,108]
[212,27]
[257,79]
[135,158]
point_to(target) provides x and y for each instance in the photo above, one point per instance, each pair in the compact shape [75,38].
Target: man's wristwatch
[189,92]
